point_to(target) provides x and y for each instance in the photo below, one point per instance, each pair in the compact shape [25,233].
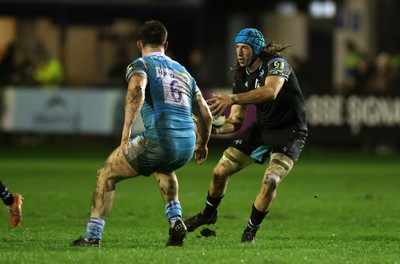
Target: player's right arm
[133,103]
[234,122]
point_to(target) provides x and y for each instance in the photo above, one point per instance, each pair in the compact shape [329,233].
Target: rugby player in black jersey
[262,77]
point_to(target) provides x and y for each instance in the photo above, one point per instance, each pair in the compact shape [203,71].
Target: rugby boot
[86,242]
[177,232]
[198,220]
[15,210]
[249,236]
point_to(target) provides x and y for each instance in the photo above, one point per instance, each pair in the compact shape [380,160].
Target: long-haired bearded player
[264,78]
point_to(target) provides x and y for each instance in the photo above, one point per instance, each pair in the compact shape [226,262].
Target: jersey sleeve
[138,66]
[279,67]
[195,89]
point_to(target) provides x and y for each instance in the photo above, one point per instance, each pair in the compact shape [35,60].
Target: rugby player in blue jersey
[166,96]
[262,77]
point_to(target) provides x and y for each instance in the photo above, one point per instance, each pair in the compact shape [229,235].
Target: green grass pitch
[334,207]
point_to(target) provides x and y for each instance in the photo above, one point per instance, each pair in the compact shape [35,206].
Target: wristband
[234,98]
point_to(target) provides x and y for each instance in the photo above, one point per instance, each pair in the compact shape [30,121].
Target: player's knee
[219,174]
[279,166]
[272,181]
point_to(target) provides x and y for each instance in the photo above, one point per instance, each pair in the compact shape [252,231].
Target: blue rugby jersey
[169,94]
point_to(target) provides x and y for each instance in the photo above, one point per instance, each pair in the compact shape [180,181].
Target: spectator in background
[25,71]
[352,56]
[357,79]
[395,61]
[301,68]
[117,71]
[7,65]
[383,75]
[394,88]
[198,67]
[49,72]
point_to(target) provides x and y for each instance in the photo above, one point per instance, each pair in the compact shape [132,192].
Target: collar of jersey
[248,71]
[156,53]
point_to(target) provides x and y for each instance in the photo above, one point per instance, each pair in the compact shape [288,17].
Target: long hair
[271,49]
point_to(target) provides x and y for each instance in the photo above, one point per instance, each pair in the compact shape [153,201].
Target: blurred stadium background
[62,63]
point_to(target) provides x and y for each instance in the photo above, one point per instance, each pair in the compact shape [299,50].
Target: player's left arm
[133,103]
[268,92]
[202,127]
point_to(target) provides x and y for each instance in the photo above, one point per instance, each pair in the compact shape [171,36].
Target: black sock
[211,205]
[5,195]
[256,219]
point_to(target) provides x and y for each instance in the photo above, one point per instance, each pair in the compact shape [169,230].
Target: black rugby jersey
[287,111]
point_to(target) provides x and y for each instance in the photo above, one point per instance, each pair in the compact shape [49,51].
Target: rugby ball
[218,121]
